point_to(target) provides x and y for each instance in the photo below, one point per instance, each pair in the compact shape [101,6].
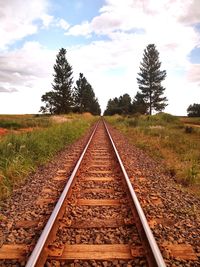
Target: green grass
[21,154]
[166,139]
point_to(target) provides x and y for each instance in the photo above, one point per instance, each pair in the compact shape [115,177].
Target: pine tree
[139,105]
[150,78]
[95,107]
[59,100]
[125,104]
[81,84]
[84,97]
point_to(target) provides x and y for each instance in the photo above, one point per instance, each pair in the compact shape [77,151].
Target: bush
[188,130]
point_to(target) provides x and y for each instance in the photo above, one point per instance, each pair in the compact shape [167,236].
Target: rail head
[42,241]
[158,258]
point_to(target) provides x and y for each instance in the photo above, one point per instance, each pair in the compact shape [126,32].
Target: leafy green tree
[193,110]
[139,105]
[150,78]
[84,97]
[59,100]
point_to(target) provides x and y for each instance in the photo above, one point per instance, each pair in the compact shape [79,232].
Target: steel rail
[158,259]
[36,253]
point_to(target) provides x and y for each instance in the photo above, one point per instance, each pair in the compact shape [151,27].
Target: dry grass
[167,140]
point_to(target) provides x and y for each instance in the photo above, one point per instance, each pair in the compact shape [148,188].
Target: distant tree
[139,105]
[121,105]
[59,100]
[84,97]
[193,110]
[125,104]
[150,78]
[112,107]
[95,107]
[49,98]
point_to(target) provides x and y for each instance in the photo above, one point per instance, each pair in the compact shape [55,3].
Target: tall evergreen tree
[95,107]
[81,85]
[59,100]
[150,78]
[84,97]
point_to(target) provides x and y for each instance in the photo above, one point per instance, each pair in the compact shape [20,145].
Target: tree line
[150,95]
[64,98]
[124,105]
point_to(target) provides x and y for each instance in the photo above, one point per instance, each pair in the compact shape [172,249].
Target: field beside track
[173,141]
[28,141]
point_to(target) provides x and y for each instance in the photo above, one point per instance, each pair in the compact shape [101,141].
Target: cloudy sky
[105,40]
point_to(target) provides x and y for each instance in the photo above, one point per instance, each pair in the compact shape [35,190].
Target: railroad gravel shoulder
[173,214]
[23,215]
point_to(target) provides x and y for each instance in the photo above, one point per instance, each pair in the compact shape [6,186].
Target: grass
[168,140]
[190,120]
[16,122]
[21,154]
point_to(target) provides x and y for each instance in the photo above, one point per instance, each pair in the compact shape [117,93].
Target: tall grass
[166,139]
[20,121]
[20,154]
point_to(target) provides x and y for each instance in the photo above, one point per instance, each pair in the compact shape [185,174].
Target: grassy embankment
[22,153]
[167,140]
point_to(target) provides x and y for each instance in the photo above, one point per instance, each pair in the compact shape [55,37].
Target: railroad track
[97,220]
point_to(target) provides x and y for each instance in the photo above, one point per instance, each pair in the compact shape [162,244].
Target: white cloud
[131,25]
[194,73]
[192,12]
[22,65]
[110,65]
[63,24]
[18,19]
[47,20]
[27,73]
[82,29]
[3,89]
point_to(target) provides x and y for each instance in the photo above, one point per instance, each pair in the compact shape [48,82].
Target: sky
[105,40]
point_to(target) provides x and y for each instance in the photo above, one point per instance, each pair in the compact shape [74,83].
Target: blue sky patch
[195,56]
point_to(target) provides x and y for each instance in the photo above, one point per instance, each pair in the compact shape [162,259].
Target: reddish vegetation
[22,130]
[3,131]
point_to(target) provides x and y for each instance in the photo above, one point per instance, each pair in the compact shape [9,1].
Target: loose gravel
[175,213]
[27,203]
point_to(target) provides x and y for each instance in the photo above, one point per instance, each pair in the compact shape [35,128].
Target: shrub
[188,130]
